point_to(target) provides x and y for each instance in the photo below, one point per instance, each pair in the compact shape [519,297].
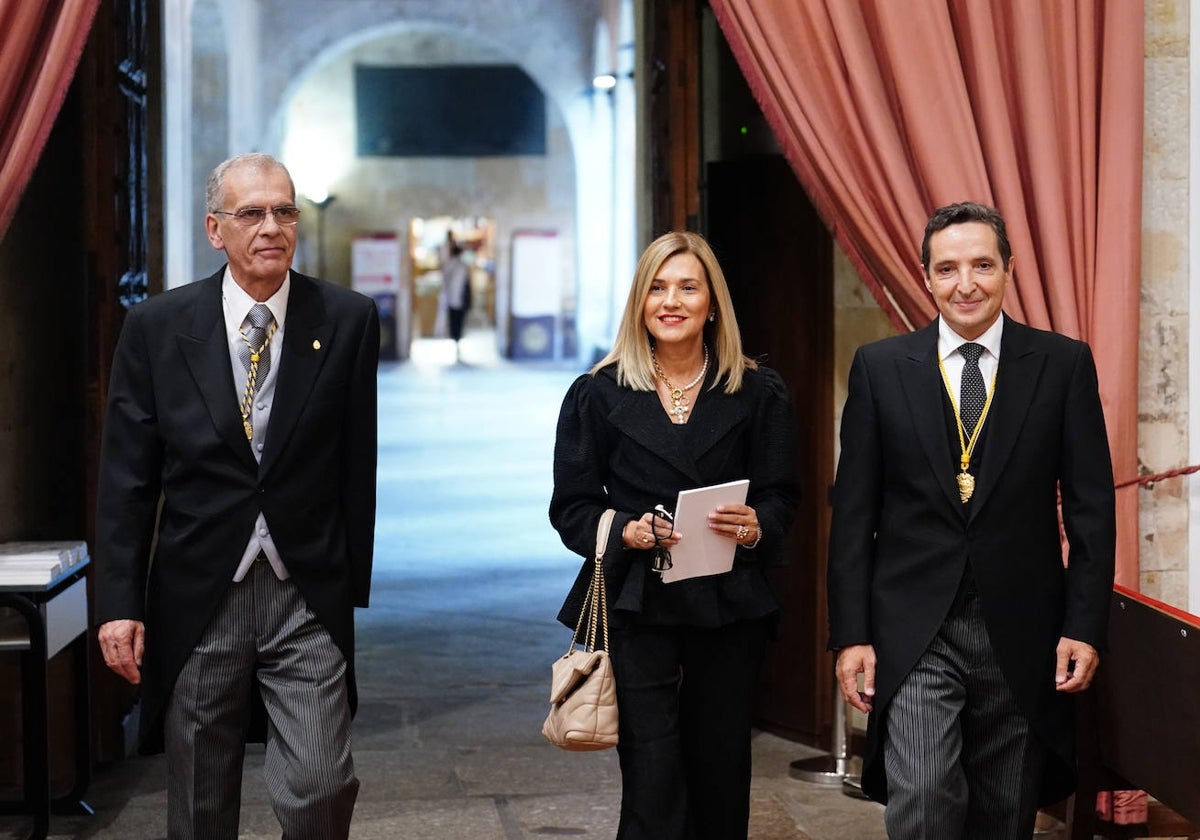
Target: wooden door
[119,75]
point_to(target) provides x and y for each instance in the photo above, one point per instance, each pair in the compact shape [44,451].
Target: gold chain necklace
[966,481]
[679,401]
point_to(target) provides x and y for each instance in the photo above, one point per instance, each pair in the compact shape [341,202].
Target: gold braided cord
[247,404]
[967,445]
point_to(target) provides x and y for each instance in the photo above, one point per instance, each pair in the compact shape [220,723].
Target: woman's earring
[712,316]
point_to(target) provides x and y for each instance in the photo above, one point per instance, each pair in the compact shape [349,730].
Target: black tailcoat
[901,538]
[173,430]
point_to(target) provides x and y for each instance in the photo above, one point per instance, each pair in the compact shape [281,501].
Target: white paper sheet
[701,551]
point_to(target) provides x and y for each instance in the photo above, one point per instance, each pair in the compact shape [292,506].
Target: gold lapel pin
[316,344]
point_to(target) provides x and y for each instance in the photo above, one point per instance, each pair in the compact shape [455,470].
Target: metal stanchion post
[852,780]
[827,769]
[852,783]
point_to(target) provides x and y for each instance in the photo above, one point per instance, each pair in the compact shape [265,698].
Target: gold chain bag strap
[583,694]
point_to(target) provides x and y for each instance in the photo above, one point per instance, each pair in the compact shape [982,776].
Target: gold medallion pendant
[966,481]
[966,486]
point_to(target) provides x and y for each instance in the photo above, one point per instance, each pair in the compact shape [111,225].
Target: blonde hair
[632,347]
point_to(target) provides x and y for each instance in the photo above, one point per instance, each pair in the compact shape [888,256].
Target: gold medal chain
[966,481]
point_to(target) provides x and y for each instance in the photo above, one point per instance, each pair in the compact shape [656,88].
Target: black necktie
[972,392]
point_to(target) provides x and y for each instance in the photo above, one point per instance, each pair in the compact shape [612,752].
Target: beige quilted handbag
[583,694]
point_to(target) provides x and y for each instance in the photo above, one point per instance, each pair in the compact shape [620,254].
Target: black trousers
[685,696]
[457,319]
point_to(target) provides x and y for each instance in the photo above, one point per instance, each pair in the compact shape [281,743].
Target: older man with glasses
[235,522]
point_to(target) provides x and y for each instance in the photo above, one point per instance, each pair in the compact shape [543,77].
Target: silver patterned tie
[255,356]
[255,346]
[972,392]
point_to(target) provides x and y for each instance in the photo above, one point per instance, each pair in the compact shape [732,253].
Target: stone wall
[857,320]
[1163,362]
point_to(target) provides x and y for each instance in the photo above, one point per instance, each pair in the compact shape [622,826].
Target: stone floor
[454,653]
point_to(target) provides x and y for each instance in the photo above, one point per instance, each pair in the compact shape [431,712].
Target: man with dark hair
[948,595]
[959,214]
[239,449]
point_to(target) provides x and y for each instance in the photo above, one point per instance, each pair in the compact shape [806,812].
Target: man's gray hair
[214,191]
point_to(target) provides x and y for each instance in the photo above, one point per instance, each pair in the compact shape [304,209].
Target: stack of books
[38,563]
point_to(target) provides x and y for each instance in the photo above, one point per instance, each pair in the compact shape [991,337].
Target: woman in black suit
[676,405]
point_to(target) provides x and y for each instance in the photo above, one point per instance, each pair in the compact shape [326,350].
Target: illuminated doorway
[430,241]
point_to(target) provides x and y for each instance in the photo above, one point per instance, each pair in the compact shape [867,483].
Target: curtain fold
[889,110]
[40,45]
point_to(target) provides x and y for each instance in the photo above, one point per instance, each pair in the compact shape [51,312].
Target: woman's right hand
[639,533]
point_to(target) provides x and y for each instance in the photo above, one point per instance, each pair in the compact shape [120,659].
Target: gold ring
[742,531]
[645,539]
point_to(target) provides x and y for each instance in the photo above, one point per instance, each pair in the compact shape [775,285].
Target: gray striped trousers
[263,632]
[961,760]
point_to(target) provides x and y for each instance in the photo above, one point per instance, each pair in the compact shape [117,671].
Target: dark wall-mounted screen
[454,111]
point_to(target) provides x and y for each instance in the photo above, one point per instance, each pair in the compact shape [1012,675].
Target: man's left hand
[1076,665]
[123,643]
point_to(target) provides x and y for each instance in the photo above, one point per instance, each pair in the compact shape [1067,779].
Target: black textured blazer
[617,448]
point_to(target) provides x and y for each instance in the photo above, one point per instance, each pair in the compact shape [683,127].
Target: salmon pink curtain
[40,45]
[887,110]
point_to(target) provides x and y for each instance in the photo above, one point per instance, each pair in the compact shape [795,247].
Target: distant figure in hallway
[456,293]
[235,521]
[676,405]
[947,591]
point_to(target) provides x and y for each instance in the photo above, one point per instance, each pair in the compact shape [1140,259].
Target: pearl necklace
[679,401]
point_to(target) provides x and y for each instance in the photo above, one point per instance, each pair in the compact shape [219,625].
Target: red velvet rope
[1150,479]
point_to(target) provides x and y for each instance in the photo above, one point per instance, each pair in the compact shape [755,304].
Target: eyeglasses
[662,525]
[285,214]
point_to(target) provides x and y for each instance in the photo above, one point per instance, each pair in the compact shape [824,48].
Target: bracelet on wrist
[757,538]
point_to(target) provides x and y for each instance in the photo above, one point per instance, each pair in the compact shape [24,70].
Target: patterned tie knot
[971,352]
[254,342]
[260,315]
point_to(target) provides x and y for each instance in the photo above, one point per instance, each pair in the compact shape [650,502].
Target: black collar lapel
[922,384]
[714,416]
[1016,382]
[640,416]
[206,352]
[307,341]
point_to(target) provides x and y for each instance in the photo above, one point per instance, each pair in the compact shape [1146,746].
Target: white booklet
[702,551]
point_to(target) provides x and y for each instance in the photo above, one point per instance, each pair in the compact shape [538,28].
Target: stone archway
[315,131]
